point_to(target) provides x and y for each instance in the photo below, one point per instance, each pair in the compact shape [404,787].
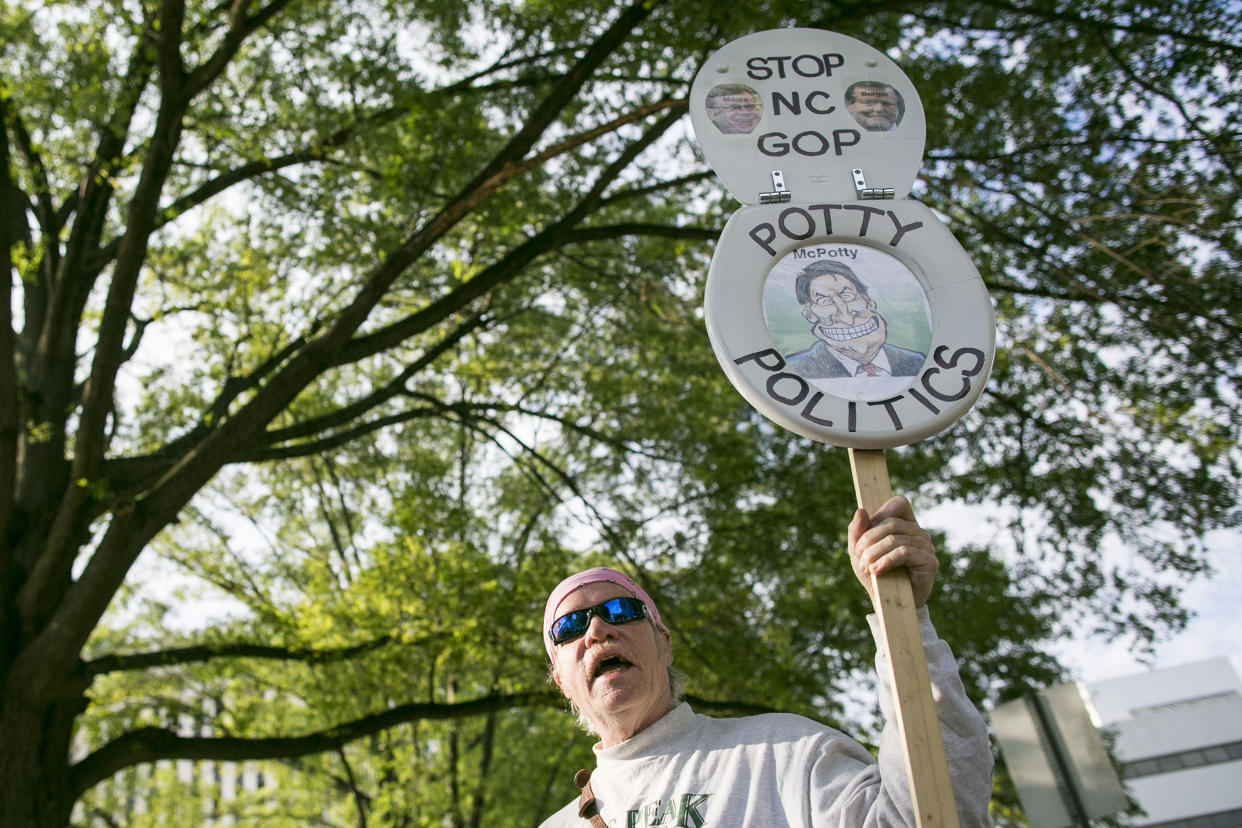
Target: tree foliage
[362,323]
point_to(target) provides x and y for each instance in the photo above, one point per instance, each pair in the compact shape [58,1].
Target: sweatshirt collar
[645,741]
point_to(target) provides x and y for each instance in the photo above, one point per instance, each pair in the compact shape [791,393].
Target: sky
[1214,631]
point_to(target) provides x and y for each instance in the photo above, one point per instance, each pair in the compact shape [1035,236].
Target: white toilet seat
[822,137]
[958,353]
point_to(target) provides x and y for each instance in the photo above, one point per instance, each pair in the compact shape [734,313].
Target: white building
[1179,738]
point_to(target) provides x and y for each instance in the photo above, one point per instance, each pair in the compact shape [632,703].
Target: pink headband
[598,575]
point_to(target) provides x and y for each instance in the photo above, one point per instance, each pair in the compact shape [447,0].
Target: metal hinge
[870,193]
[781,195]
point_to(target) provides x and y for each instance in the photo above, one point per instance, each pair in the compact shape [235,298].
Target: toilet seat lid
[894,279]
[779,101]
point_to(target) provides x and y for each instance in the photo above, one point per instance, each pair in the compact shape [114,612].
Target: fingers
[889,539]
[883,552]
[895,507]
[858,526]
[892,530]
[861,523]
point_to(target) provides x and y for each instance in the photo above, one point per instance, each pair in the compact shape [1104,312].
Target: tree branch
[672,183]
[130,475]
[201,653]
[664,231]
[49,576]
[350,414]
[12,233]
[318,152]
[395,387]
[133,527]
[1174,101]
[515,260]
[231,178]
[91,199]
[240,27]
[152,744]
[336,439]
[44,210]
[1047,13]
[53,310]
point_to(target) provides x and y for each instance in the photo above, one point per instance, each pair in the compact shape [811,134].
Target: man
[875,106]
[734,108]
[660,764]
[852,334]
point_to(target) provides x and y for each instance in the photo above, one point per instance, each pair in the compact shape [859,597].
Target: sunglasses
[615,611]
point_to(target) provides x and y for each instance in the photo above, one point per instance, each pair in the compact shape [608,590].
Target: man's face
[733,114]
[875,108]
[844,318]
[617,676]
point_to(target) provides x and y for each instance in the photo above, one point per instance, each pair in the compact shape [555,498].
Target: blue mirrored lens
[614,611]
[570,626]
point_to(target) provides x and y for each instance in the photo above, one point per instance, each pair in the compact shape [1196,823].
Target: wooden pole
[928,772]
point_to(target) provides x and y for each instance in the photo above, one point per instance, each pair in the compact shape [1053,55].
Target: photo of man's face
[844,317]
[877,107]
[851,319]
[734,108]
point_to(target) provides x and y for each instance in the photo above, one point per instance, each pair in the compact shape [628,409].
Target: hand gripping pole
[930,788]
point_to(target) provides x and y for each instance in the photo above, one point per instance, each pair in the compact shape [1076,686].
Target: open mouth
[611,664]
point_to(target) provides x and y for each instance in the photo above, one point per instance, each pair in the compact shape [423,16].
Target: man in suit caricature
[850,331]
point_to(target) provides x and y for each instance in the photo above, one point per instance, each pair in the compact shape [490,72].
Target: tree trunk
[35,736]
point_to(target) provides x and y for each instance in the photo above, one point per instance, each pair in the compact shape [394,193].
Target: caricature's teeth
[845,334]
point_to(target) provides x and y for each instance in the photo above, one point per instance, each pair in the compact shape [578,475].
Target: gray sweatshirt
[693,771]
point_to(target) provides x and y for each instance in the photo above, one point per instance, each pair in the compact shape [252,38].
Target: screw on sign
[849,320]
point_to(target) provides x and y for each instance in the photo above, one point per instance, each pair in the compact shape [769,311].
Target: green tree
[371,317]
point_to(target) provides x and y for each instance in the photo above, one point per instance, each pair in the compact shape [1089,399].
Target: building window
[1213,755]
[1222,819]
